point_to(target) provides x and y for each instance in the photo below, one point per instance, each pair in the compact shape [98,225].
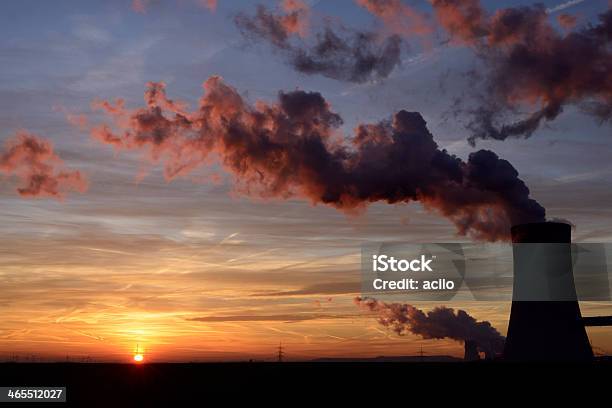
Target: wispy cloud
[269,318]
[326,288]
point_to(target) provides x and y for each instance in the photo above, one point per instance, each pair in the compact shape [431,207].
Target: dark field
[98,384]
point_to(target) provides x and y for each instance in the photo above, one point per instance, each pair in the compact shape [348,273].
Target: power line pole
[280,352]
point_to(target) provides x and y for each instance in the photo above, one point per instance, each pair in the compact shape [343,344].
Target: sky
[190,268]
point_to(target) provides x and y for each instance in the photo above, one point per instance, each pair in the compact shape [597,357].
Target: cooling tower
[545,321]
[471,351]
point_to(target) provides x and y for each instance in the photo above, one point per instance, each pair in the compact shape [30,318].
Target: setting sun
[138,358]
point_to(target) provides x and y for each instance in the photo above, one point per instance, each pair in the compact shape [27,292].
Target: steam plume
[532,64]
[293,149]
[41,172]
[343,54]
[439,323]
[528,64]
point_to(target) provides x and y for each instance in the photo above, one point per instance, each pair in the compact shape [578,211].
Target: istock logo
[384,263]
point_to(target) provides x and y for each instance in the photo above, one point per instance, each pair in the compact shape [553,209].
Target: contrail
[563,6]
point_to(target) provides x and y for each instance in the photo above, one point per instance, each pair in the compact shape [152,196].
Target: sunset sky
[189,268]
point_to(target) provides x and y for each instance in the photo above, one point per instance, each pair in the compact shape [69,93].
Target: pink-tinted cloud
[209,4]
[139,6]
[296,20]
[398,16]
[40,171]
[567,21]
[464,20]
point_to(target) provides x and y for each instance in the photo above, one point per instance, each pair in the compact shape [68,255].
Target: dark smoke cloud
[293,148]
[527,63]
[439,323]
[41,172]
[531,64]
[276,28]
[338,53]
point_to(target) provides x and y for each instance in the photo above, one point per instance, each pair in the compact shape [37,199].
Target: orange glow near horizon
[232,299]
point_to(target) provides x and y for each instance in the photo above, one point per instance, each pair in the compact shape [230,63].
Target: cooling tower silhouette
[471,351]
[545,320]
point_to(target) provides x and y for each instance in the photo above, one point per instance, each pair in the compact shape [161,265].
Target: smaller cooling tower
[471,351]
[545,320]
